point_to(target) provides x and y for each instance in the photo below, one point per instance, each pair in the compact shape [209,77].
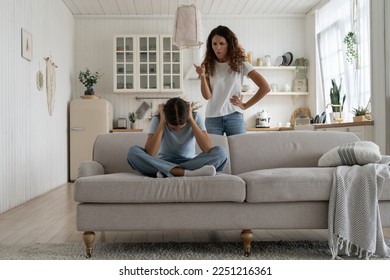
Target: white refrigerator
[88,118]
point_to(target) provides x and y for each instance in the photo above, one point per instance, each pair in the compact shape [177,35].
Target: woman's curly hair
[235,54]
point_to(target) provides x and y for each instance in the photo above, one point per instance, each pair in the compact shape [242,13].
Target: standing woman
[221,74]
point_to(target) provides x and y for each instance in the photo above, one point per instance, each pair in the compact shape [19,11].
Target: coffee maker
[262,119]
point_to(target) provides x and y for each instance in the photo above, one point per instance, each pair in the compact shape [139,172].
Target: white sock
[207,170]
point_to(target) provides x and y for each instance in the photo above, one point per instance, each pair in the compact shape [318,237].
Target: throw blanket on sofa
[354,221]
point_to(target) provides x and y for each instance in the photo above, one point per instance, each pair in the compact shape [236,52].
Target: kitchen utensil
[287,58]
[279,61]
[323,117]
[263,119]
[121,123]
[142,110]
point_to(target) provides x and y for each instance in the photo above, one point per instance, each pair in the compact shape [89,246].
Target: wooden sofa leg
[247,237]
[89,238]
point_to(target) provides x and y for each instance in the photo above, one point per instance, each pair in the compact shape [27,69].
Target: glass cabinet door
[148,63]
[171,66]
[124,63]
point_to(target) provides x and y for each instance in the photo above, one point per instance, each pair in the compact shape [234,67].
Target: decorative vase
[132,125]
[89,91]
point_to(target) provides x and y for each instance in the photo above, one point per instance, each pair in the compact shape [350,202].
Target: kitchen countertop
[126,130]
[268,128]
[316,126]
[343,124]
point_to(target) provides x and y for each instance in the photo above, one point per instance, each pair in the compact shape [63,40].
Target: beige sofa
[272,181]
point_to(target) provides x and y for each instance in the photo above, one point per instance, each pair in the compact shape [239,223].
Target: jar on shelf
[267,60]
[249,56]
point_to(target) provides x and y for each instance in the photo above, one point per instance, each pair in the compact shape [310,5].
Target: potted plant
[359,114]
[88,79]
[132,119]
[350,43]
[337,105]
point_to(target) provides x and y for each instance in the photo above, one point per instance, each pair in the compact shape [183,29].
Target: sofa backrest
[111,149]
[273,149]
[220,140]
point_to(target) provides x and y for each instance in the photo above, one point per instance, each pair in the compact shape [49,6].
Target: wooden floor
[50,218]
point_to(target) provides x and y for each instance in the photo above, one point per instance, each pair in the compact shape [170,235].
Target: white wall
[261,35]
[380,84]
[33,145]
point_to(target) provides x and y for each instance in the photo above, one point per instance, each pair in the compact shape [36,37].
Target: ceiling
[207,7]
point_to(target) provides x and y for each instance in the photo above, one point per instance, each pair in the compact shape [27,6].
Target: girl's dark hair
[235,53]
[176,111]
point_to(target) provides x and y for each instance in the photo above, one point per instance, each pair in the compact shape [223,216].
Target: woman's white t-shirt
[225,84]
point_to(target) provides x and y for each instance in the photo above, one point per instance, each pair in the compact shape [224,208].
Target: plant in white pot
[132,119]
[336,103]
[89,79]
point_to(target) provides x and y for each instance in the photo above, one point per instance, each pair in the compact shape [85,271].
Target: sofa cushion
[288,184]
[360,153]
[293,184]
[134,188]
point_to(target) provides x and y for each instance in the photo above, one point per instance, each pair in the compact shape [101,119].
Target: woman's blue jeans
[230,124]
[149,165]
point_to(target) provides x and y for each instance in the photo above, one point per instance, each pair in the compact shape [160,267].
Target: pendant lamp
[187,31]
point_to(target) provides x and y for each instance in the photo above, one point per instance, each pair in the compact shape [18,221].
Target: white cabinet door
[171,66]
[148,63]
[124,63]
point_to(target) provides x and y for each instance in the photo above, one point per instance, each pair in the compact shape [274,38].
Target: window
[333,22]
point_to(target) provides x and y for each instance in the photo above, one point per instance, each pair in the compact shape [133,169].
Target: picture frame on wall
[26,45]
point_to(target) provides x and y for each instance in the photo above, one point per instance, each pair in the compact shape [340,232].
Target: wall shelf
[278,93]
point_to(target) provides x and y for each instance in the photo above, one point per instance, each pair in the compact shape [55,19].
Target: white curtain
[333,22]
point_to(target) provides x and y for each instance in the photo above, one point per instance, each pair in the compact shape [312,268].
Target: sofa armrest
[89,168]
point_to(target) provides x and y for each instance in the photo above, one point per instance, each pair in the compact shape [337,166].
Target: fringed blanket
[354,221]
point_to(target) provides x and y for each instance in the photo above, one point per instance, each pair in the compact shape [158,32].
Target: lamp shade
[187,32]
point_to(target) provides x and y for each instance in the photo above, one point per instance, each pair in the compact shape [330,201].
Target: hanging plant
[351,43]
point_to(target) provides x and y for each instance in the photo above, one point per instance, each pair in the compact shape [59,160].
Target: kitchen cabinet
[147,63]
[364,130]
[281,76]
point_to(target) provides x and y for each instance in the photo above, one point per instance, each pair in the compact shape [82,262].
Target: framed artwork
[26,45]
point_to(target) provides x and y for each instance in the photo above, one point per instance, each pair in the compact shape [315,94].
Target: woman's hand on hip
[236,101]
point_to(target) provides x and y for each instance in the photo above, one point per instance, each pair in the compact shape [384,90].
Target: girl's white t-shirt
[225,84]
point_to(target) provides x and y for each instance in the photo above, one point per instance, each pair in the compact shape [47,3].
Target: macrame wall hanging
[187,31]
[50,83]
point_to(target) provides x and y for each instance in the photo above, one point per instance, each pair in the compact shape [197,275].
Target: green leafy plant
[132,117]
[335,91]
[359,111]
[88,79]
[350,42]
